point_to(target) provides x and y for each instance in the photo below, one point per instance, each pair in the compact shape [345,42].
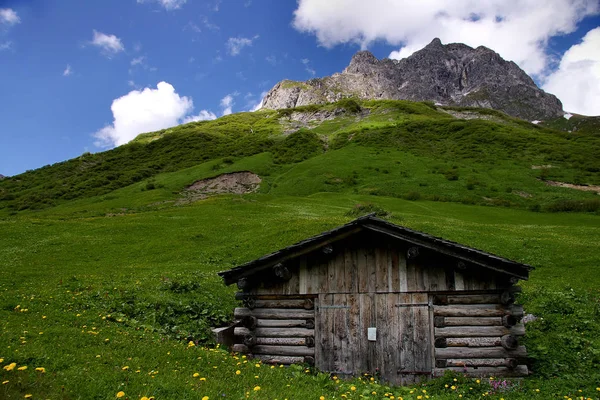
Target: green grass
[147,282]
[99,247]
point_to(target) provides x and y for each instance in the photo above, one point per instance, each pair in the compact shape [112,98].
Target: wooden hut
[374,297]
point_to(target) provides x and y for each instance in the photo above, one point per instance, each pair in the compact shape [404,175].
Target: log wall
[431,314]
[478,336]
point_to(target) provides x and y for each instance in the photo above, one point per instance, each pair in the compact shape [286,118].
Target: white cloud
[9,17]
[143,111]
[167,4]
[235,45]
[271,60]
[257,105]
[227,103]
[109,44]
[307,67]
[203,115]
[517,29]
[577,80]
[137,60]
[5,46]
[68,70]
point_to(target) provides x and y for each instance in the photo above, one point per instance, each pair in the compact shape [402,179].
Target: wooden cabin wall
[431,313]
[363,267]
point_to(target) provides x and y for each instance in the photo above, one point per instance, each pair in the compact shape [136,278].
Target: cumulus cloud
[144,111]
[68,71]
[167,4]
[109,44]
[517,29]
[577,80]
[203,115]
[9,17]
[227,104]
[235,45]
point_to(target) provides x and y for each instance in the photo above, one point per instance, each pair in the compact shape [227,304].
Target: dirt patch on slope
[234,183]
[585,188]
[311,119]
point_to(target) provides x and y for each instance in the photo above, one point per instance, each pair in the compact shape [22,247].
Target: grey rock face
[453,74]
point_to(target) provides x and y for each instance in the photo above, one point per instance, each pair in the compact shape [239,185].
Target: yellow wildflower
[203,379]
[1,360]
[125,368]
[41,369]
[144,398]
[256,388]
[238,372]
[23,368]
[353,388]
[191,344]
[205,398]
[5,382]
[196,375]
[257,365]
[10,366]
[322,398]
[453,387]
[28,396]
[120,394]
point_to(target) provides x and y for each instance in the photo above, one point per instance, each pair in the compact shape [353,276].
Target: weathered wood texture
[277,335]
[478,336]
[520,370]
[402,351]
[369,265]
[431,313]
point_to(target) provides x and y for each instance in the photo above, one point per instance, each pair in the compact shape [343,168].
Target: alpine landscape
[109,259]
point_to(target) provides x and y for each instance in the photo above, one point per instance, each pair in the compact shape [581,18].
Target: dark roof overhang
[371,223]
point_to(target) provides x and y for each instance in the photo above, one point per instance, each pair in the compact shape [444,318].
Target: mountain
[452,75]
[2,177]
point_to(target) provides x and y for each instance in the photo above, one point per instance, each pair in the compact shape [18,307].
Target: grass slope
[104,292]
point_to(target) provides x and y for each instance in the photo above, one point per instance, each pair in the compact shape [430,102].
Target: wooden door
[402,351]
[404,347]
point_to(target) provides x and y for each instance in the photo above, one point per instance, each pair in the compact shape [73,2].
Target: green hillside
[109,270]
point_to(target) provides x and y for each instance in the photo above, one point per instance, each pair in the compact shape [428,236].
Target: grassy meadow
[109,287]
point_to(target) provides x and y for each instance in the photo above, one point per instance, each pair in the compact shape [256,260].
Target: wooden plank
[275,359]
[475,310]
[474,299]
[275,332]
[280,303]
[382,342]
[479,331]
[355,336]
[395,270]
[368,320]
[411,276]
[474,342]
[361,261]
[381,270]
[423,341]
[371,270]
[303,278]
[350,261]
[459,281]
[281,341]
[499,372]
[280,323]
[406,315]
[340,334]
[284,350]
[240,348]
[320,334]
[402,271]
[479,352]
[292,286]
[321,272]
[273,313]
[394,334]
[472,321]
[481,362]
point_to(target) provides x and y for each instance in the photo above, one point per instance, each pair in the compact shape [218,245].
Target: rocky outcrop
[453,74]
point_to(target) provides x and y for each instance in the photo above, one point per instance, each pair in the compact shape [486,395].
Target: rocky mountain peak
[453,74]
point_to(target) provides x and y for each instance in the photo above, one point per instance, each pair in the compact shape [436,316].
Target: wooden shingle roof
[370,223]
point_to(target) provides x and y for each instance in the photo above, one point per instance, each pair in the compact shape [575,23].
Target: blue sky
[64,63]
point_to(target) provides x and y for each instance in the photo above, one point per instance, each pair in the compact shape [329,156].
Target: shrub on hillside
[565,205]
[368,208]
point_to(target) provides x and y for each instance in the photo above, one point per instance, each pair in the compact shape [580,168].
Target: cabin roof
[370,223]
